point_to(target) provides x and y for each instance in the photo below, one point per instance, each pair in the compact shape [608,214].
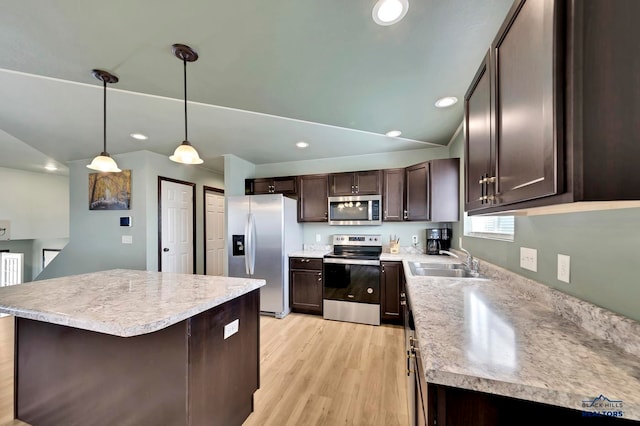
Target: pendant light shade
[185,153]
[104,162]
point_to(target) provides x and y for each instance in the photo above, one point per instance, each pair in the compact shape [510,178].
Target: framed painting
[110,191]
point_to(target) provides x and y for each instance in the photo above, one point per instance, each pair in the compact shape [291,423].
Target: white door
[176,240]
[215,236]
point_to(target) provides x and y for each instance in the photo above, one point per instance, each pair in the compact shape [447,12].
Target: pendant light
[185,153]
[104,162]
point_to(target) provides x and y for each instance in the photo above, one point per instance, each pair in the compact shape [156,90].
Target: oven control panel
[357,240]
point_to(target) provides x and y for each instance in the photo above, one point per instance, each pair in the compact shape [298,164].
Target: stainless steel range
[352,279]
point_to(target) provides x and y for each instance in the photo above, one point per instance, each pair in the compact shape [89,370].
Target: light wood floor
[319,372]
[313,372]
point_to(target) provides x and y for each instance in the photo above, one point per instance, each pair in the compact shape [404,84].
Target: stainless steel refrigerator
[262,230]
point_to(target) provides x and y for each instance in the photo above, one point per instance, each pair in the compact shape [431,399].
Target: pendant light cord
[104,121]
[184,61]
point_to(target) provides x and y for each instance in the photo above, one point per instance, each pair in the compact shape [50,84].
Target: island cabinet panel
[355,183]
[185,374]
[312,198]
[224,373]
[391,288]
[306,285]
[393,195]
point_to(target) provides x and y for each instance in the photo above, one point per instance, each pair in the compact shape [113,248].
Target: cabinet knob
[405,214]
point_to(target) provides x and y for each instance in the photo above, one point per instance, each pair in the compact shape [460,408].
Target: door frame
[193,210]
[207,189]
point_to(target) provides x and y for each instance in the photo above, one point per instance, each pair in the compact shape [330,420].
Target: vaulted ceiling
[270,73]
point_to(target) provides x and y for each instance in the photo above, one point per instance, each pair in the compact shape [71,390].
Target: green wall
[95,236]
[603,246]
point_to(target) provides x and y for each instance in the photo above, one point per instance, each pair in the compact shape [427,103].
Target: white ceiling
[270,73]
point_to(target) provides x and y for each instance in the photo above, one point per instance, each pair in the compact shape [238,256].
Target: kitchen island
[133,347]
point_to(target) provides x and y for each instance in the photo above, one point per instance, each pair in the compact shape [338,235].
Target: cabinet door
[312,198]
[306,291]
[262,186]
[444,180]
[527,111]
[368,183]
[342,184]
[417,182]
[477,106]
[284,185]
[391,286]
[393,195]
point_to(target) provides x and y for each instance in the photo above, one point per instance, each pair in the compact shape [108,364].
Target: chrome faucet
[449,253]
[472,264]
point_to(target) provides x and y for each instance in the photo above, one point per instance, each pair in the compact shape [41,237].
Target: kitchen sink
[452,270]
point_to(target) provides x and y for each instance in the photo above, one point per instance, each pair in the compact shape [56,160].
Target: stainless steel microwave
[355,210]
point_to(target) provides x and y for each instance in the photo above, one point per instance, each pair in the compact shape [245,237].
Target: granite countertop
[122,302]
[491,336]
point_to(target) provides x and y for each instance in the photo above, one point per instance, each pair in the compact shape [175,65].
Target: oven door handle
[351,261]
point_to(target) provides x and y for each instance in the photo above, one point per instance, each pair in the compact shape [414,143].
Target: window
[492,227]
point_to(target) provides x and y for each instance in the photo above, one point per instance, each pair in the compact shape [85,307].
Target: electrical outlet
[318,238]
[414,239]
[564,268]
[529,259]
[5,230]
[231,328]
[127,239]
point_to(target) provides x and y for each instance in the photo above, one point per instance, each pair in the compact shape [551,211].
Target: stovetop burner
[364,247]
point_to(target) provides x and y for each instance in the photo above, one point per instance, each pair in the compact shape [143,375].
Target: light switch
[127,239]
[231,328]
[564,268]
[529,259]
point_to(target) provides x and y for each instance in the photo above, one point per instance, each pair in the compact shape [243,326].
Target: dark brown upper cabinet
[432,191]
[478,146]
[513,111]
[554,108]
[279,185]
[355,183]
[312,198]
[393,195]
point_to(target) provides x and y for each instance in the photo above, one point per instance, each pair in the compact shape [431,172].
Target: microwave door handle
[370,209]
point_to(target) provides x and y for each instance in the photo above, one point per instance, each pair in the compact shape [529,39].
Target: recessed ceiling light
[302,144]
[51,167]
[388,12]
[393,133]
[139,136]
[446,101]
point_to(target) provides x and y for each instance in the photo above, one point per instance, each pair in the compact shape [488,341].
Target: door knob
[165,249]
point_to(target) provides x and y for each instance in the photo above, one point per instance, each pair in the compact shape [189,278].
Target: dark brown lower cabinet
[185,374]
[391,287]
[457,407]
[305,277]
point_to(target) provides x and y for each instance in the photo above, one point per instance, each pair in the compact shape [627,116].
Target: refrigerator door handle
[252,246]
[247,244]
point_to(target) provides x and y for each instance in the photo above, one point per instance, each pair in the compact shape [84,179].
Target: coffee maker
[438,239]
